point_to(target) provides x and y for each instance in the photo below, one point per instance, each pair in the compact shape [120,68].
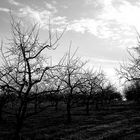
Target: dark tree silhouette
[4,99]
[90,82]
[24,68]
[69,74]
[131,71]
[132,92]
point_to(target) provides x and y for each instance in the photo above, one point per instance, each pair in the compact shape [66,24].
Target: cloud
[42,16]
[101,60]
[32,14]
[99,28]
[54,2]
[13,2]
[121,18]
[125,13]
[116,21]
[91,2]
[4,9]
[83,25]
[51,7]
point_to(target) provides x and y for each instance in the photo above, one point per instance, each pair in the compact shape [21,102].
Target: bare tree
[55,89]
[130,71]
[102,83]
[24,67]
[89,85]
[69,74]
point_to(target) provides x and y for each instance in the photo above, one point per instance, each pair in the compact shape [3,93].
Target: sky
[102,30]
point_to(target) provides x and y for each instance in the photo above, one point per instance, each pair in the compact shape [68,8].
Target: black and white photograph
[69,69]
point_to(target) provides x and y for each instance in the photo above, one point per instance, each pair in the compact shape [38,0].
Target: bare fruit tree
[69,74]
[24,67]
[130,71]
[90,82]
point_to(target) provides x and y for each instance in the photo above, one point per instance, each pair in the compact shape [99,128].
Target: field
[119,121]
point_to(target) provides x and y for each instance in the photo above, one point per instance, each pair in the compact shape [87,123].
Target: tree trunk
[96,105]
[1,107]
[87,107]
[20,121]
[56,105]
[68,112]
[19,126]
[35,106]
[1,114]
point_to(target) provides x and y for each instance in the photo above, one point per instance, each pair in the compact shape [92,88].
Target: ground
[117,122]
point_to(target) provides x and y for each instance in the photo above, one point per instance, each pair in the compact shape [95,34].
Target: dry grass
[115,122]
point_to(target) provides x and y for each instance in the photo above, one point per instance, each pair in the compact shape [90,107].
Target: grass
[120,121]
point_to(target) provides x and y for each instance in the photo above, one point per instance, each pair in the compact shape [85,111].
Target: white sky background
[101,29]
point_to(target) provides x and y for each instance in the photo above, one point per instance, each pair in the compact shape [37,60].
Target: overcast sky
[101,29]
